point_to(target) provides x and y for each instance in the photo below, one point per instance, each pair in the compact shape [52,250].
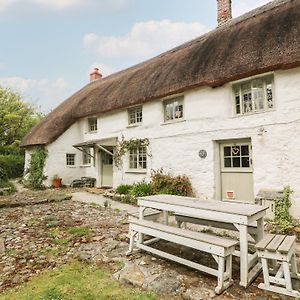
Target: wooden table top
[231,207]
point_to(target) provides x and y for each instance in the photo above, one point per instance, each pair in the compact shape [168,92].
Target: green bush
[9,185]
[141,189]
[164,183]
[36,168]
[12,166]
[124,189]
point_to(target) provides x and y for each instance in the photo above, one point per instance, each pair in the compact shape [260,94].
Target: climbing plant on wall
[126,145]
[283,218]
[36,168]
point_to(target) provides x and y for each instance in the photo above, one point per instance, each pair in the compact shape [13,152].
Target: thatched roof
[265,39]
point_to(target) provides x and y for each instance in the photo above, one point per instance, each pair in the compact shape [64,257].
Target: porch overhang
[112,142]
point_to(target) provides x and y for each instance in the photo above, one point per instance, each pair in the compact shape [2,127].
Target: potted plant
[56,181]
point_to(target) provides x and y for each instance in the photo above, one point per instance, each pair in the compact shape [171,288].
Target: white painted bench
[183,219]
[220,248]
[279,249]
[149,214]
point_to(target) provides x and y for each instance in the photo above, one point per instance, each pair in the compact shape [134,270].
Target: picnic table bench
[280,250]
[220,248]
[238,214]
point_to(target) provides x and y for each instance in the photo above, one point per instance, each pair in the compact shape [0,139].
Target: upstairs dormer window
[135,115]
[173,109]
[254,96]
[93,124]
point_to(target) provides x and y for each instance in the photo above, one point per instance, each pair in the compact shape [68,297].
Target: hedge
[11,166]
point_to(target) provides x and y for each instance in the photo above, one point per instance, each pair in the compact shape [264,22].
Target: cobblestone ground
[46,236]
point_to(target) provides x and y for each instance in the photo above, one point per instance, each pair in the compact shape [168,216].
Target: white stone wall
[208,118]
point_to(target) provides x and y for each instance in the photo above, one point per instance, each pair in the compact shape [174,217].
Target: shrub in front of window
[164,183]
[141,189]
[123,189]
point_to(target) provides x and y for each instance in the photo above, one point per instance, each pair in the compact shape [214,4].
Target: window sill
[173,122]
[85,166]
[137,171]
[134,125]
[253,113]
[92,132]
[71,166]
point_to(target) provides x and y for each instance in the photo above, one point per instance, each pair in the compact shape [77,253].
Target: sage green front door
[107,169]
[237,171]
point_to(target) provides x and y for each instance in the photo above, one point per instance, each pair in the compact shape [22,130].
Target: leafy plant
[36,168]
[12,165]
[141,189]
[124,189]
[283,218]
[126,145]
[164,183]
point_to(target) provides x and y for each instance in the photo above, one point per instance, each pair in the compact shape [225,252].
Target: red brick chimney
[95,74]
[224,11]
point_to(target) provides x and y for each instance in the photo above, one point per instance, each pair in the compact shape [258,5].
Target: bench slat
[287,244]
[199,236]
[261,245]
[275,243]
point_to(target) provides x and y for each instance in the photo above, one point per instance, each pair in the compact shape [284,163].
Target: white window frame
[135,115]
[137,158]
[86,159]
[68,159]
[92,124]
[176,115]
[238,93]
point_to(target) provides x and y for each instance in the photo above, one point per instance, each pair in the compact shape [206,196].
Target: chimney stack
[95,74]
[224,11]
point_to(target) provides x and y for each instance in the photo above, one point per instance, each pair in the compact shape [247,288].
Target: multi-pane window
[93,126]
[173,109]
[135,115]
[138,158]
[253,96]
[70,159]
[86,156]
[237,156]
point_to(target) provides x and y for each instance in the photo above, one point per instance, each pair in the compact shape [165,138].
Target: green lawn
[75,281]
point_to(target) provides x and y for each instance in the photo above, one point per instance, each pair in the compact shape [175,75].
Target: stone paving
[46,236]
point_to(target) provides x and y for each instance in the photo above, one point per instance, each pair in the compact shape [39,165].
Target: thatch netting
[266,39]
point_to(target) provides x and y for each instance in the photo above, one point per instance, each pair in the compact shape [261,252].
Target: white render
[208,118]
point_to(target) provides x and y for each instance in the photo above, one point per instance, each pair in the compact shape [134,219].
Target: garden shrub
[282,218]
[164,183]
[141,189]
[124,189]
[36,168]
[12,166]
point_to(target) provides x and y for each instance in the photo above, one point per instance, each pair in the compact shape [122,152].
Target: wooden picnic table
[240,214]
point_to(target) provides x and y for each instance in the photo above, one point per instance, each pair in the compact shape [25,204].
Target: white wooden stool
[280,250]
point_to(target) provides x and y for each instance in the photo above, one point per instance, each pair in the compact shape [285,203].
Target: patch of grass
[76,281]
[60,242]
[95,205]
[6,184]
[79,231]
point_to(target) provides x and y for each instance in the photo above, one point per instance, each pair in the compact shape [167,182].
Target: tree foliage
[16,119]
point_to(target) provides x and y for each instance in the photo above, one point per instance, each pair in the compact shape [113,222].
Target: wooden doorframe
[101,151]
[218,161]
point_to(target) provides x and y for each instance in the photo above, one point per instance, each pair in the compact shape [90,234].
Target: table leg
[165,215]
[141,217]
[260,230]
[243,230]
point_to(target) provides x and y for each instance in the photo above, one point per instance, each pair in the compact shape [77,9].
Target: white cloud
[242,6]
[145,39]
[5,4]
[43,93]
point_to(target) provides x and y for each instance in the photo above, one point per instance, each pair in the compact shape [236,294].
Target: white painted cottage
[223,109]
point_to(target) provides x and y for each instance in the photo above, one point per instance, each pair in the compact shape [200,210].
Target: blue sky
[48,47]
